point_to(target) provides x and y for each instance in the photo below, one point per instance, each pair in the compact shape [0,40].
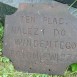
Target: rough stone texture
[15,3]
[41,38]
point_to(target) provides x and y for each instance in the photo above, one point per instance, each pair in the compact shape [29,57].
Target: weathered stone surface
[15,3]
[41,38]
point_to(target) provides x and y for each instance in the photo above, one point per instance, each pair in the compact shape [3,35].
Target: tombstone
[15,4]
[41,38]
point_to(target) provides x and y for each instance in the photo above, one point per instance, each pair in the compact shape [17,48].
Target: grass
[7,69]
[72,4]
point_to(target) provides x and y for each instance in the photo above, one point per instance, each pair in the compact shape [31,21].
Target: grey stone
[41,38]
[15,3]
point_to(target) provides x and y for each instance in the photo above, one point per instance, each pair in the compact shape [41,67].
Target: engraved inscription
[55,20]
[61,32]
[44,44]
[28,19]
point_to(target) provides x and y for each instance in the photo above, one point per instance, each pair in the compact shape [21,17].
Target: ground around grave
[7,70]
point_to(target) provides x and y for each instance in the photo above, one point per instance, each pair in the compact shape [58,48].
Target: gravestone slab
[41,38]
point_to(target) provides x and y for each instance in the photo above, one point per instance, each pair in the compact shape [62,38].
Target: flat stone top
[15,3]
[41,38]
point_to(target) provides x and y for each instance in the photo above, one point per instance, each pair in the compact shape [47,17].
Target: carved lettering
[73,45]
[55,20]
[61,44]
[42,43]
[18,41]
[29,42]
[53,57]
[36,31]
[35,43]
[58,32]
[68,45]
[29,19]
[55,44]
[30,31]
[46,44]
[61,20]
